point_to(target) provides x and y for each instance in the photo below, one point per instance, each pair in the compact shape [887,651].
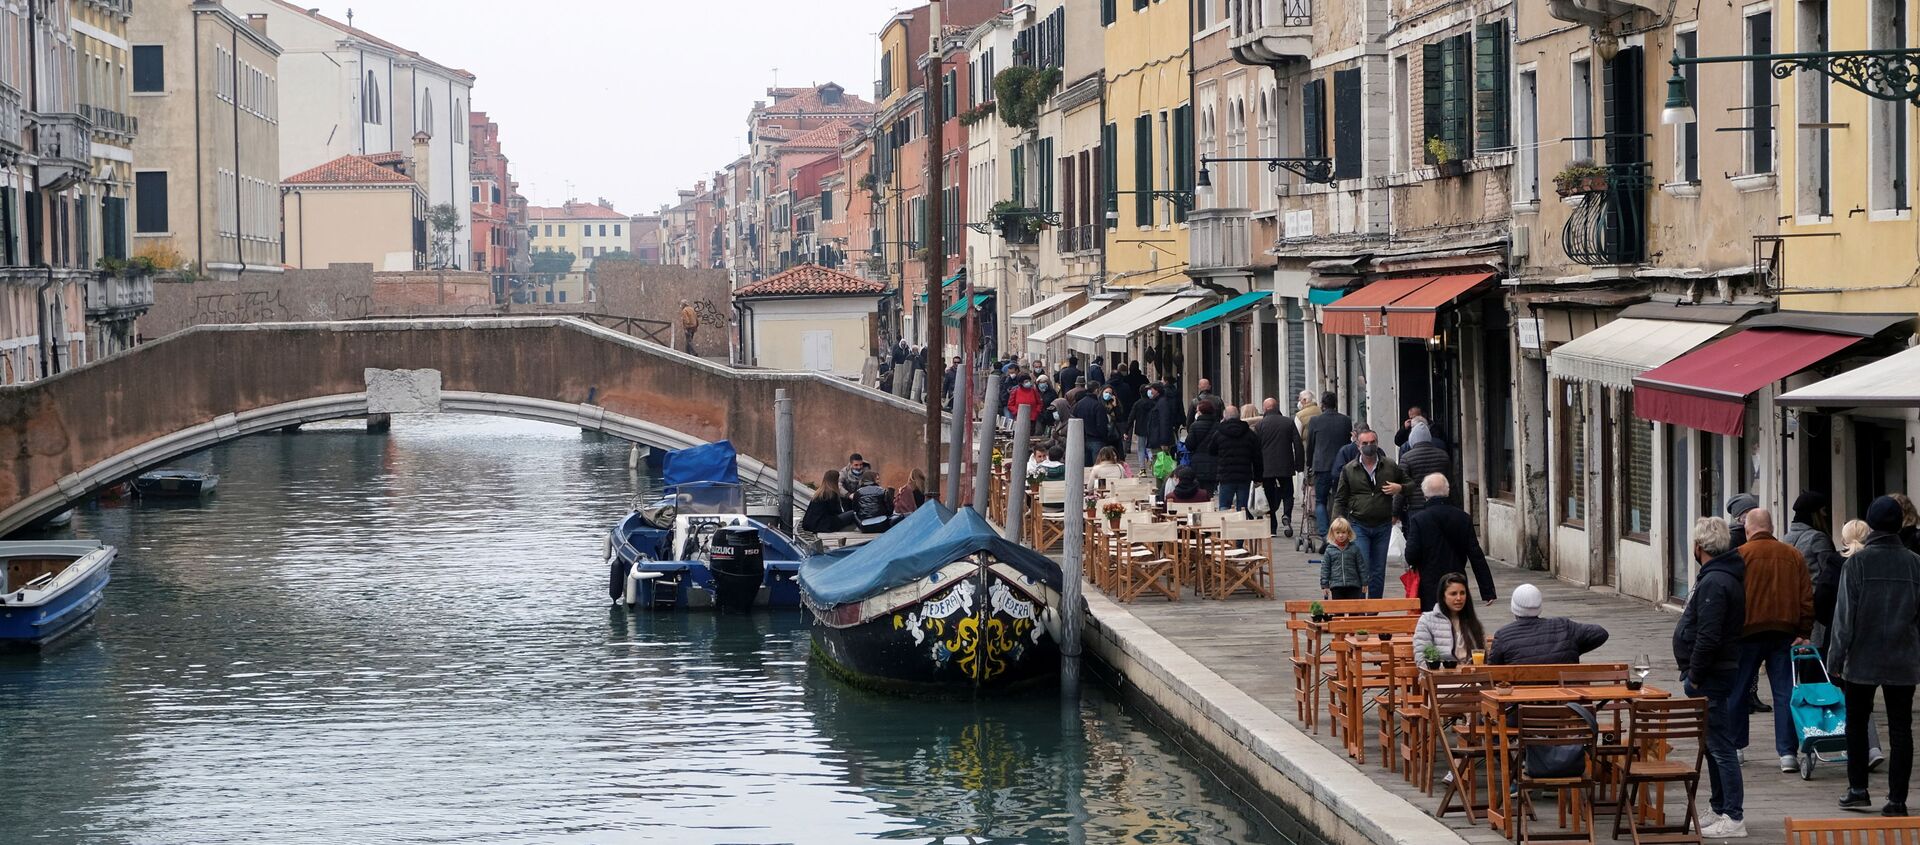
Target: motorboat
[175,483]
[697,547]
[48,588]
[940,603]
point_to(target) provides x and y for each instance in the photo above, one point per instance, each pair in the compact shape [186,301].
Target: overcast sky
[629,99]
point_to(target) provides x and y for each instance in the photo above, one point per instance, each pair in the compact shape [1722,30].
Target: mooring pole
[983,455]
[783,452]
[1017,474]
[956,437]
[1072,547]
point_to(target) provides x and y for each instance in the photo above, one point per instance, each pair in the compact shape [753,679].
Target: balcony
[112,296]
[1271,32]
[110,122]
[123,8]
[1080,238]
[11,119]
[65,146]
[1220,239]
[1598,13]
[1609,228]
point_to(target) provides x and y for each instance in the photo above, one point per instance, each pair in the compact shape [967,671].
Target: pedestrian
[912,494]
[873,504]
[1304,409]
[1441,541]
[1737,508]
[1876,645]
[1117,423]
[1280,457]
[1096,375]
[1136,379]
[1535,640]
[1909,522]
[1826,590]
[1423,456]
[853,476]
[1069,376]
[1091,410]
[1141,420]
[1342,567]
[1706,645]
[1236,461]
[689,323]
[1204,394]
[946,379]
[830,510]
[1415,416]
[1779,613]
[1451,626]
[1124,392]
[1368,493]
[1200,433]
[1024,394]
[1167,419]
[1326,432]
[1807,534]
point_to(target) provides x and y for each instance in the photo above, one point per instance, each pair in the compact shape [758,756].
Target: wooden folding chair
[1456,713]
[1609,751]
[1554,726]
[1047,517]
[1657,724]
[1242,559]
[1147,566]
[1854,831]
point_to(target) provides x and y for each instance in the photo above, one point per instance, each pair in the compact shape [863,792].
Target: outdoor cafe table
[1495,702]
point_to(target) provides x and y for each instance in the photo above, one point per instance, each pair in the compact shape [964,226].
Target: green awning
[954,278]
[1324,297]
[957,308]
[1224,311]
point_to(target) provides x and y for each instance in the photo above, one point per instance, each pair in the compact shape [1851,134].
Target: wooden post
[1017,474]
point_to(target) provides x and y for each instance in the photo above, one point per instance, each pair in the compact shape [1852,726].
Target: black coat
[1538,640]
[1419,462]
[1325,435]
[1706,642]
[1199,449]
[1280,452]
[1123,393]
[1166,422]
[1236,453]
[1094,412]
[1067,377]
[828,514]
[1440,540]
[1140,419]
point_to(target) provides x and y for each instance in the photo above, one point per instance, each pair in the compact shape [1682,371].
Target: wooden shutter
[1491,93]
[1622,100]
[1348,133]
[1432,99]
[1456,85]
[1759,92]
[1069,211]
[1313,117]
[150,194]
[1107,12]
[1019,162]
[1143,170]
[1110,173]
[1182,157]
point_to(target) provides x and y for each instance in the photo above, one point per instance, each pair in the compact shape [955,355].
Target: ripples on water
[404,638]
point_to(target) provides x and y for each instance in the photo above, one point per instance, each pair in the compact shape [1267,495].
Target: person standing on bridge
[689,323]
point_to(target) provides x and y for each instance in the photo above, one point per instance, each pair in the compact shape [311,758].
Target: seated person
[873,505]
[1107,468]
[1187,489]
[1053,467]
[1531,639]
[830,511]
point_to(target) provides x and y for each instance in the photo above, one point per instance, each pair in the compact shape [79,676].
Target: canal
[406,638]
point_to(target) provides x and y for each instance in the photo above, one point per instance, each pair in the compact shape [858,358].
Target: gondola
[940,603]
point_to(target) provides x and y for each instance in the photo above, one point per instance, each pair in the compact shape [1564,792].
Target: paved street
[1246,642]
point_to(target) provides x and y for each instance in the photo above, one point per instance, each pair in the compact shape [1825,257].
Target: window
[113,227]
[550,230]
[476,193]
[370,107]
[1636,451]
[150,192]
[1183,158]
[1686,136]
[1571,426]
[1759,95]
[603,230]
[1887,119]
[1313,119]
[1444,90]
[1107,12]
[1018,169]
[1348,143]
[586,252]
[823,201]
[1165,157]
[886,75]
[1269,147]
[563,230]
[149,68]
[1581,106]
[1110,172]
[1199,15]
[459,121]
[1403,140]
[1043,167]
[1812,93]
[1497,410]
[1526,174]
[1490,94]
[1143,170]
[426,112]
[1139,4]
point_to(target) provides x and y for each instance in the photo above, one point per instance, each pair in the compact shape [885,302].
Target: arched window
[426,111]
[459,121]
[370,110]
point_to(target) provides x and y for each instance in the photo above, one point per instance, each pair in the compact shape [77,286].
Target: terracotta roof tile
[826,137]
[348,170]
[574,211]
[811,280]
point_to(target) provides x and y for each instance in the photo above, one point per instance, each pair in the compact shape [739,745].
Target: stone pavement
[1245,641]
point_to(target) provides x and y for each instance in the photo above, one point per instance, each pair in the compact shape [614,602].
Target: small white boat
[48,588]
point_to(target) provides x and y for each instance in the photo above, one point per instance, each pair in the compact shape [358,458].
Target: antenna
[349,16]
[776,77]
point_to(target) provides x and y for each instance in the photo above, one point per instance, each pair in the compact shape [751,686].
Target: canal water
[405,638]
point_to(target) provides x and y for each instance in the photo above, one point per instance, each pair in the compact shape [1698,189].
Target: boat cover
[711,463]
[928,539]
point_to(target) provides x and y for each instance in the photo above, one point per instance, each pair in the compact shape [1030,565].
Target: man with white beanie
[1534,639]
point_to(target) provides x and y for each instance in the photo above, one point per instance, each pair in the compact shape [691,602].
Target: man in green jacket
[1368,493]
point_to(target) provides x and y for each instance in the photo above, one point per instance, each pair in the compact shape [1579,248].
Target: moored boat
[50,587]
[175,483]
[939,603]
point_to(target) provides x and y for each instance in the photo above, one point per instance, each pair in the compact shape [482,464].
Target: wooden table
[1494,704]
[1356,653]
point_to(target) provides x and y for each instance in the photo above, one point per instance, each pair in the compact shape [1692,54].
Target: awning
[1891,382]
[961,306]
[1086,337]
[1708,388]
[1857,325]
[1032,312]
[1364,311]
[1616,352]
[1037,342]
[1414,315]
[1219,313]
[1173,309]
[1324,297]
[944,284]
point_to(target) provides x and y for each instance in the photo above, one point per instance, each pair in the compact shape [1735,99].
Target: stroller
[1819,711]
[1312,537]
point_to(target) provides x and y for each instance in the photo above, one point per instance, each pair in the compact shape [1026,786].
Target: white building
[360,94]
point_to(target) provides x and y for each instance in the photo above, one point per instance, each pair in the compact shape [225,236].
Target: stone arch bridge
[94,425]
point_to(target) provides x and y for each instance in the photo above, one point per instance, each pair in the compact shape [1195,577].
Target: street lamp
[1311,169]
[1891,75]
[1679,107]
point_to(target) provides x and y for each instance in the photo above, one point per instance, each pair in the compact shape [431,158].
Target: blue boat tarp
[713,462]
[920,545]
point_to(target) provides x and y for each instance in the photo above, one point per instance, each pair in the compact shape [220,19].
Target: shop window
[1497,390]
[1570,428]
[1636,453]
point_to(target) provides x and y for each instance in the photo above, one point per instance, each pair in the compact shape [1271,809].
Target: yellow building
[357,210]
[809,318]
[586,230]
[1149,142]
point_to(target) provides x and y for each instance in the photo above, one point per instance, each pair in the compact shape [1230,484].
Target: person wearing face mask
[1368,492]
[1091,410]
[1116,419]
[1023,393]
[1706,647]
[1141,420]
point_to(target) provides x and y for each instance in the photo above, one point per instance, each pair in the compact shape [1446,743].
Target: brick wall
[338,292]
[654,291]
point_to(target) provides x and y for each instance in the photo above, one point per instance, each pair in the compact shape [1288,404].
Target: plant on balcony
[1015,223]
[1580,177]
[1445,156]
[1019,91]
[977,113]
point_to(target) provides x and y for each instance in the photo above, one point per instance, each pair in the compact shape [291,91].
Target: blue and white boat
[50,587]
[697,548]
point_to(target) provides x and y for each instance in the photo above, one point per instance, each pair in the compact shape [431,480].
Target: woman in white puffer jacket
[1451,626]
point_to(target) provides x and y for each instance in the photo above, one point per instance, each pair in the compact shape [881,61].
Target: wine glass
[1642,667]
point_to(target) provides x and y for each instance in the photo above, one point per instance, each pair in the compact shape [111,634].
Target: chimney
[605,203]
[257,21]
[422,151]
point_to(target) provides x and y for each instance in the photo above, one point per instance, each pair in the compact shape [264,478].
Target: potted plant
[1580,177]
[1363,633]
[1113,512]
[1317,612]
[1386,636]
[1445,157]
[1430,654]
[1034,477]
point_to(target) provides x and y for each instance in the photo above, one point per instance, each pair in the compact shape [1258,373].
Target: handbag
[1257,505]
[1411,578]
[1562,761]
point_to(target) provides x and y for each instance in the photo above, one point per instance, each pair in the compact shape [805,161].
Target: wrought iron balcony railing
[1610,225]
[111,122]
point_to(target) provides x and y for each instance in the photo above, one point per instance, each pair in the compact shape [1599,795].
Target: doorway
[1879,466]
[1679,515]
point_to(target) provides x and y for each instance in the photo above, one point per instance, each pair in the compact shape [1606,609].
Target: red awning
[1414,314]
[1364,311]
[1708,388]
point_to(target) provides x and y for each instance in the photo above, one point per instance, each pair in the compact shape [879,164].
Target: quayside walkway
[1244,641]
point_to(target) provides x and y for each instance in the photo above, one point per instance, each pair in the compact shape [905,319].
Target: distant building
[809,318]
[588,230]
[499,229]
[645,234]
[359,210]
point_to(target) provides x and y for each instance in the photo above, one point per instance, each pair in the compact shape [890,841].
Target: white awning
[1166,311]
[1891,382]
[1086,338]
[1037,342]
[1616,352]
[1032,312]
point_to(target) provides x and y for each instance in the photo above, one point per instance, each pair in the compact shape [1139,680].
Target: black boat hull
[984,630]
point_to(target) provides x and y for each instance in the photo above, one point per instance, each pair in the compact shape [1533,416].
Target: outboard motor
[738,565]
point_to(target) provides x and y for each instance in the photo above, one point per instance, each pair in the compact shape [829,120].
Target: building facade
[499,229]
[587,230]
[359,210]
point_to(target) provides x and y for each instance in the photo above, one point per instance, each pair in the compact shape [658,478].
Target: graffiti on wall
[252,306]
[709,315]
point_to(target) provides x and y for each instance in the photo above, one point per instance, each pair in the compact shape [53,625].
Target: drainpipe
[47,348]
[239,220]
[199,162]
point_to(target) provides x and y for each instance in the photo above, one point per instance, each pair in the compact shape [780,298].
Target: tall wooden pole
[935,248]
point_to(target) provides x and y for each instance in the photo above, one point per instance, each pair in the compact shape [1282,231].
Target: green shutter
[1459,95]
[1313,115]
[1110,172]
[1182,158]
[1107,11]
[1490,81]
[1432,97]
[1019,163]
[1046,165]
[1143,170]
